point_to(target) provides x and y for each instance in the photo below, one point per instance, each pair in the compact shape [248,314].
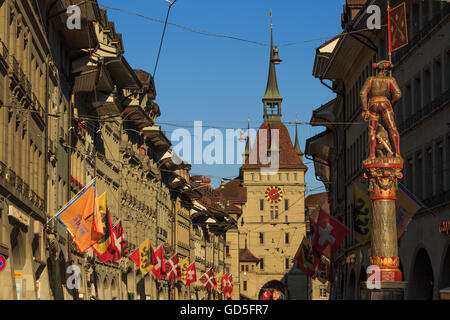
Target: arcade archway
[421,281]
[277,289]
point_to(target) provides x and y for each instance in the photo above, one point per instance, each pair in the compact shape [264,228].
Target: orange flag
[78,217]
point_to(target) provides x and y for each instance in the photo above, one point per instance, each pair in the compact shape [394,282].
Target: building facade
[422,70]
[72,110]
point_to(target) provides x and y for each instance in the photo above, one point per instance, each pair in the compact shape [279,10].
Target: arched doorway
[106,289]
[140,286]
[421,281]
[277,287]
[114,289]
[444,275]
[351,286]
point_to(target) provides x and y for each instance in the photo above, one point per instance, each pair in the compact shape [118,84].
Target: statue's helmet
[383,65]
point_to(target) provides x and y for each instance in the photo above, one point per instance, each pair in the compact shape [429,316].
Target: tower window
[261,204]
[261,238]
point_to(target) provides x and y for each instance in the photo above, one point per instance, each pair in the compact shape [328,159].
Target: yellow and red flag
[219,282]
[105,248]
[305,257]
[183,267]
[79,217]
[361,215]
[142,257]
[398,27]
[407,206]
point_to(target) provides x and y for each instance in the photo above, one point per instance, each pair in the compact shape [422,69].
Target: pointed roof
[297,149]
[246,255]
[272,93]
[288,157]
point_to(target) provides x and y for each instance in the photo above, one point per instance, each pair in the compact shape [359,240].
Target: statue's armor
[378,89]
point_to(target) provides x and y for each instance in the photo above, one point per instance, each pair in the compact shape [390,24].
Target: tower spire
[247,144]
[297,149]
[272,98]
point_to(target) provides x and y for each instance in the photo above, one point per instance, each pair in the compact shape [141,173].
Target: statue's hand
[365,114]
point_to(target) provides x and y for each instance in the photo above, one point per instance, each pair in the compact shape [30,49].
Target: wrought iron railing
[438,103]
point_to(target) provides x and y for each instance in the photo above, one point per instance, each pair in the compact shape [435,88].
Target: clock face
[273,194]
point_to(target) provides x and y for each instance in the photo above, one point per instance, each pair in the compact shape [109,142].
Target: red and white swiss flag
[158,269]
[266,295]
[328,235]
[191,274]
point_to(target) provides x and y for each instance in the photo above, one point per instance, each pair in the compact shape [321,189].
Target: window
[286,204]
[287,176]
[286,237]
[261,264]
[287,263]
[276,212]
[323,291]
[286,219]
[279,177]
[261,204]
[242,268]
[253,176]
[439,172]
[246,267]
[419,177]
[429,173]
[262,219]
[261,238]
[271,212]
[227,250]
[245,285]
[437,78]
[417,94]
[295,176]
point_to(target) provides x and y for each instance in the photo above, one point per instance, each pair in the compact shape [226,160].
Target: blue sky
[222,81]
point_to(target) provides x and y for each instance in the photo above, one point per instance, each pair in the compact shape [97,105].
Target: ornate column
[383,169]
[383,174]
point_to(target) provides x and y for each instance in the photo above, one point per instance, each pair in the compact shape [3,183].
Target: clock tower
[272,224]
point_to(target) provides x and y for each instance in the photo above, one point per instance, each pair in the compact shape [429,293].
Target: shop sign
[19,215]
[444,227]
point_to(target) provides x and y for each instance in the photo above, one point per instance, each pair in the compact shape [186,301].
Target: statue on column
[383,169]
[378,97]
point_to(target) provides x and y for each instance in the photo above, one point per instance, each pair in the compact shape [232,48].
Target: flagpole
[389,34]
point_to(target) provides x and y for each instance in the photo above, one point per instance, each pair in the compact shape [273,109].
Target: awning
[156,139]
[137,116]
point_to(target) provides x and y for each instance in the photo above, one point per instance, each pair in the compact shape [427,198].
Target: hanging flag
[322,272]
[119,242]
[159,269]
[276,294]
[329,235]
[183,269]
[208,280]
[305,257]
[361,215]
[142,257]
[266,295]
[105,248]
[79,217]
[398,27]
[225,283]
[407,206]
[219,282]
[191,274]
[173,269]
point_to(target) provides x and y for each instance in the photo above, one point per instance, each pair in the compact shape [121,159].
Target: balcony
[439,103]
